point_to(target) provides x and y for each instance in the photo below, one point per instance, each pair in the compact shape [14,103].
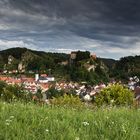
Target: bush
[52,92]
[2,86]
[114,95]
[67,100]
[14,92]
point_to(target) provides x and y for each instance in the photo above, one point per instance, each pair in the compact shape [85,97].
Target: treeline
[126,67]
[52,64]
[33,60]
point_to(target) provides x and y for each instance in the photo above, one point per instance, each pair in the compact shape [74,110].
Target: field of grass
[20,121]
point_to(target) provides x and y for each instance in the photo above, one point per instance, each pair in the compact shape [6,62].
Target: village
[30,84]
[44,82]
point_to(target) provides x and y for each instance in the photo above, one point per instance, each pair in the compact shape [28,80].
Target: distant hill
[18,52]
[15,52]
[110,63]
[84,68]
[126,67]
[27,56]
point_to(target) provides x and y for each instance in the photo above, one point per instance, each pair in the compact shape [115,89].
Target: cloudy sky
[109,28]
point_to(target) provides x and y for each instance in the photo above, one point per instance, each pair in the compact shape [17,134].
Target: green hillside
[33,60]
[126,67]
[83,68]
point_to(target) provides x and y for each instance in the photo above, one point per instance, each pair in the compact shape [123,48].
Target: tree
[115,95]
[82,55]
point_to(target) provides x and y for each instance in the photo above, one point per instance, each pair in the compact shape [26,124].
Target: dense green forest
[82,68]
[126,67]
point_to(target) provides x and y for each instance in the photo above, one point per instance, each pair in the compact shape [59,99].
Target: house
[14,71]
[44,87]
[43,75]
[13,81]
[44,78]
[51,79]
[3,78]
[28,81]
[5,71]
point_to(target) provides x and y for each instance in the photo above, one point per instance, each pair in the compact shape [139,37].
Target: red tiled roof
[45,86]
[44,75]
[28,79]
[3,78]
[15,81]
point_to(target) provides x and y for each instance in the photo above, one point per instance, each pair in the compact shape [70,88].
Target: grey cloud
[57,23]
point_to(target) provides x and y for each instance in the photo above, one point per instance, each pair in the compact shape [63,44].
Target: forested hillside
[126,67]
[82,68]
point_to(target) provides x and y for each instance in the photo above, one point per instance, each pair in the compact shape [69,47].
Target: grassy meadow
[19,121]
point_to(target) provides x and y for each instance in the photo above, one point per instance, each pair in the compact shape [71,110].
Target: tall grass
[19,121]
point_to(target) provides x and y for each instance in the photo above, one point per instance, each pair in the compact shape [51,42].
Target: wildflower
[7,123]
[85,123]
[123,129]
[11,117]
[112,122]
[47,130]
[77,138]
[112,101]
[107,117]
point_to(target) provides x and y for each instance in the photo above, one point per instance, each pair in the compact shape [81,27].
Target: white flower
[11,117]
[107,117]
[112,101]
[112,122]
[85,123]
[7,123]
[77,138]
[47,130]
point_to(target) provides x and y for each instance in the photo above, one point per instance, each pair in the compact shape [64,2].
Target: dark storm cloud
[89,24]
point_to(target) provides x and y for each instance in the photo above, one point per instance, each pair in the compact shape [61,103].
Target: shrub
[67,100]
[114,95]
[14,92]
[2,86]
[52,92]
[39,94]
